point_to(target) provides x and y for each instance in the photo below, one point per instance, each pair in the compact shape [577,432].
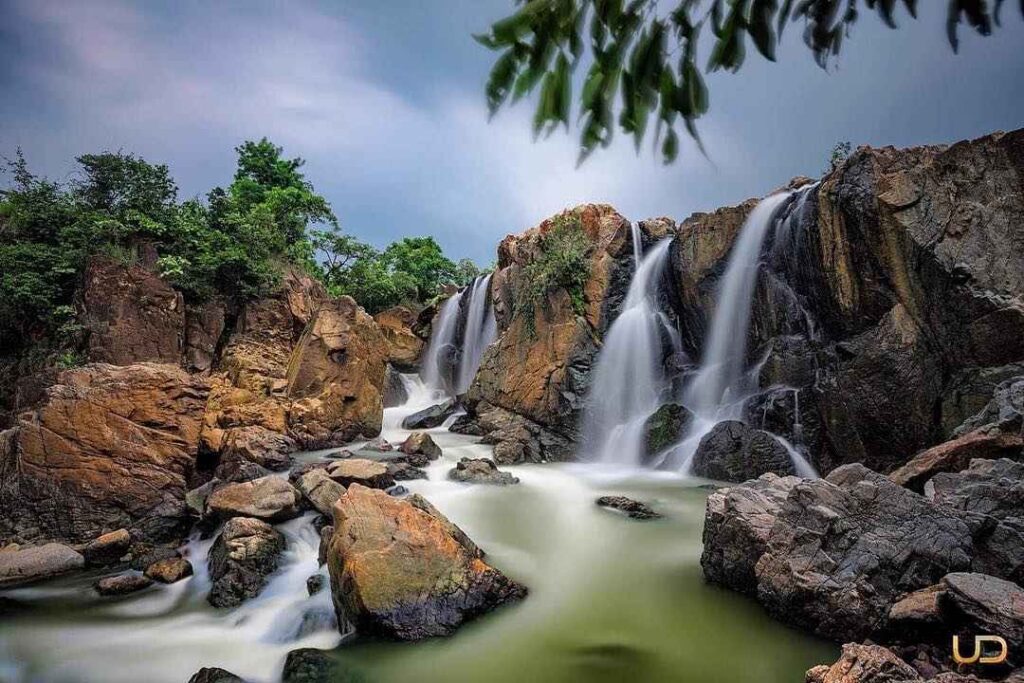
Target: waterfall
[437,361]
[481,328]
[629,379]
[724,382]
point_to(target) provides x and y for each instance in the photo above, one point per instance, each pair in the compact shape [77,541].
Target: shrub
[562,263]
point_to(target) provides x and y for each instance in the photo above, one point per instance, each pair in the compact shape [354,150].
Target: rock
[400,570]
[326,533]
[378,445]
[259,445]
[978,397]
[171,570]
[404,347]
[320,490]
[466,424]
[204,327]
[395,393]
[243,556]
[420,443]
[632,508]
[132,314]
[143,555]
[480,471]
[122,584]
[197,497]
[111,447]
[956,455]
[665,427]
[214,675]
[315,584]
[431,417]
[864,664]
[108,548]
[336,377]
[271,499]
[27,565]
[981,604]
[732,451]
[517,439]
[1004,412]
[309,665]
[360,471]
[397,491]
[404,471]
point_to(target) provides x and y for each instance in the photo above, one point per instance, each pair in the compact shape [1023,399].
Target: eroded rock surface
[732,451]
[480,471]
[245,553]
[271,499]
[27,565]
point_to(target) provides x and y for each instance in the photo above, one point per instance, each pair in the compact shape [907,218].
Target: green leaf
[670,147]
[760,25]
[563,97]
[500,80]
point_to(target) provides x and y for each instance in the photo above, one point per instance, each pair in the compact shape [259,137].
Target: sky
[384,99]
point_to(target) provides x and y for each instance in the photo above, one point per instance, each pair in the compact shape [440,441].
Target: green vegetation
[234,243]
[838,156]
[643,58]
[561,263]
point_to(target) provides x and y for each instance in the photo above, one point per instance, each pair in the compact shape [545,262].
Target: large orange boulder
[404,347]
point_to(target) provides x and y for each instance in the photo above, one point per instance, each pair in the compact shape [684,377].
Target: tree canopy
[643,58]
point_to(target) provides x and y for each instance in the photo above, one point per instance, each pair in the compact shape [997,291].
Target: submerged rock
[315,584]
[243,556]
[420,443]
[431,417]
[480,471]
[26,565]
[309,665]
[401,570]
[170,570]
[734,452]
[271,499]
[632,508]
[214,675]
[122,584]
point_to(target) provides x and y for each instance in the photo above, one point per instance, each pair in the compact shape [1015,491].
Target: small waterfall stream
[450,362]
[436,371]
[629,379]
[481,328]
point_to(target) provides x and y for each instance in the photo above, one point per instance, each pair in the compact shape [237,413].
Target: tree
[423,261]
[466,271]
[650,57]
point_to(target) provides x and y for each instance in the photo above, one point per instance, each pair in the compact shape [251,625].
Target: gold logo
[978,647]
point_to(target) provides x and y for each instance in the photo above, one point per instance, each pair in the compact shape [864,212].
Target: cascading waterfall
[481,328]
[724,382]
[629,379]
[441,349]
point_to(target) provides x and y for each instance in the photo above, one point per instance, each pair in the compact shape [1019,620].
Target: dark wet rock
[420,443]
[214,675]
[143,555]
[326,532]
[956,455]
[379,445]
[315,584]
[981,604]
[243,556]
[431,417]
[394,391]
[480,471]
[734,452]
[320,490]
[632,508]
[310,665]
[108,548]
[977,397]
[518,439]
[665,427]
[233,469]
[368,473]
[1004,412]
[27,565]
[467,425]
[204,325]
[401,570]
[196,498]
[404,471]
[397,491]
[122,584]
[271,499]
[170,570]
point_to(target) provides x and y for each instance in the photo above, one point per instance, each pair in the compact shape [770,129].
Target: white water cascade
[435,370]
[724,382]
[629,379]
[481,328]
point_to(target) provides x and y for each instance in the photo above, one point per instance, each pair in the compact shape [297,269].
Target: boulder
[143,555]
[320,490]
[1005,410]
[214,675]
[734,452]
[245,553]
[132,315]
[258,445]
[204,326]
[404,471]
[309,665]
[400,570]
[395,393]
[336,377]
[431,417]
[420,443]
[108,548]
[271,499]
[122,584]
[956,455]
[864,664]
[110,447]
[634,509]
[665,427]
[378,445]
[980,604]
[360,471]
[315,584]
[403,346]
[170,570]
[517,439]
[27,565]
[480,471]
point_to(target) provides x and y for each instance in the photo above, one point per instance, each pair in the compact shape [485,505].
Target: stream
[610,598]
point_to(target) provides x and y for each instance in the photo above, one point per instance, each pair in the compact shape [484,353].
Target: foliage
[561,263]
[466,271]
[422,260]
[648,58]
[838,156]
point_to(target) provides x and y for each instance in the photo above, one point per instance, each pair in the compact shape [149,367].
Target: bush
[561,263]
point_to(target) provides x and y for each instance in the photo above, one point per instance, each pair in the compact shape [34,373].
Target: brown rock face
[110,447]
[400,570]
[336,377]
[18,567]
[204,325]
[956,455]
[404,347]
[360,471]
[864,664]
[271,499]
[132,315]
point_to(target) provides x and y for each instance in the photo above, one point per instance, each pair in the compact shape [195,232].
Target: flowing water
[611,599]
[436,367]
[629,380]
[481,329]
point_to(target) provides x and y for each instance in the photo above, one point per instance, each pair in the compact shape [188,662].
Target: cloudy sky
[384,99]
